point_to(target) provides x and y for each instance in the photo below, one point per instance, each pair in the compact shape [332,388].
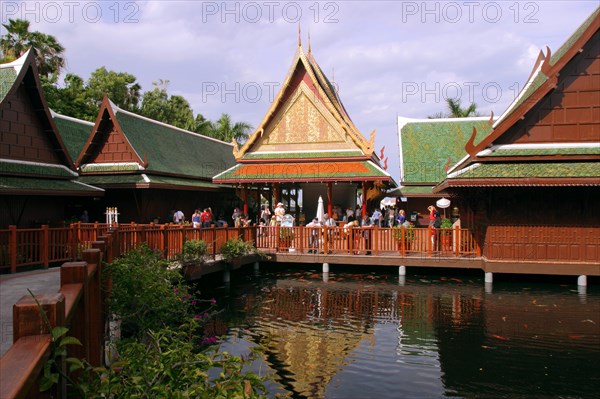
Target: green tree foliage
[120,87]
[455,110]
[174,110]
[48,51]
[223,129]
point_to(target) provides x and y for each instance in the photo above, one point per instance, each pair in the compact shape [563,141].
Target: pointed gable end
[108,146]
[28,130]
[305,119]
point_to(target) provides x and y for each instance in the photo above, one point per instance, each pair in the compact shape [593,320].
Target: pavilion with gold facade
[306,145]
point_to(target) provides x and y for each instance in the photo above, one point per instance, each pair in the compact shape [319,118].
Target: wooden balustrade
[78,305]
[44,246]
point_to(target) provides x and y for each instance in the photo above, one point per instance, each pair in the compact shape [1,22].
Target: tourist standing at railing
[376,218]
[391,217]
[265,214]
[401,218]
[314,231]
[196,219]
[365,223]
[205,218]
[178,217]
[279,212]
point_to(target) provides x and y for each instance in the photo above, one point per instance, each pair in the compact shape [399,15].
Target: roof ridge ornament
[299,39]
[546,63]
[470,146]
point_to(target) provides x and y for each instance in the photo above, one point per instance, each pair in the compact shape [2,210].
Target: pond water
[373,334]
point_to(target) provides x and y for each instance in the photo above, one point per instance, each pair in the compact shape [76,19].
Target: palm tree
[455,110]
[48,51]
[223,130]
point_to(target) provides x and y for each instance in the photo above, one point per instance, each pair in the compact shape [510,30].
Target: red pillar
[329,199]
[364,199]
[245,199]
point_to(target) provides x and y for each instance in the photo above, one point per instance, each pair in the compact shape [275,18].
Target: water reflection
[367,335]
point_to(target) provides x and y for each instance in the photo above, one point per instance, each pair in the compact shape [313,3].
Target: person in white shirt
[313,241]
[178,217]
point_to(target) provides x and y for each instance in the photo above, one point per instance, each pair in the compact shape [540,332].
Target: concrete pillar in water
[226,276]
[489,288]
[582,281]
[325,277]
[325,267]
[401,280]
[402,271]
[489,277]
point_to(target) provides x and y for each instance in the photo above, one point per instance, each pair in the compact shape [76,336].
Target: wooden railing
[78,306]
[44,246]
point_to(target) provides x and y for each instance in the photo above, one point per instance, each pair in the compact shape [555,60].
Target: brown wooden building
[149,168]
[38,182]
[532,185]
[306,143]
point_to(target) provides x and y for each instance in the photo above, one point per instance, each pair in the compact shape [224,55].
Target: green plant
[235,248]
[446,224]
[59,340]
[169,365]
[409,233]
[146,294]
[193,252]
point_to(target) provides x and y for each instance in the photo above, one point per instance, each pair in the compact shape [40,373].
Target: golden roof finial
[299,41]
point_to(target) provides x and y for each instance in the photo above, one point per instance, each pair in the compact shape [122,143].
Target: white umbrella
[443,203]
[320,210]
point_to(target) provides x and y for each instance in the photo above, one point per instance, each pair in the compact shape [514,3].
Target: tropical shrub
[193,252]
[145,293]
[235,248]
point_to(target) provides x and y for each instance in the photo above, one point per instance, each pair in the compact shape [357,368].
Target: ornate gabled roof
[306,116]
[550,135]
[542,81]
[123,142]
[22,74]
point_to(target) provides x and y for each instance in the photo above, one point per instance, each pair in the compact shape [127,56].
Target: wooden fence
[79,305]
[44,246]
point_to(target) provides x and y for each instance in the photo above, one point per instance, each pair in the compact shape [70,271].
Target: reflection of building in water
[315,326]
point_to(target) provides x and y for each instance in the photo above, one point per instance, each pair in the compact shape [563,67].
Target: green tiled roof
[30,168]
[532,170]
[7,79]
[171,150]
[52,186]
[299,155]
[74,133]
[427,145]
[129,179]
[506,152]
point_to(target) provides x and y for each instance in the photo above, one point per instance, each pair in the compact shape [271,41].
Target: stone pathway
[13,287]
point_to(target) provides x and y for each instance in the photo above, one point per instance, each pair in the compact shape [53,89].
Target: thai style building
[532,185]
[306,143]
[38,181]
[149,168]
[428,147]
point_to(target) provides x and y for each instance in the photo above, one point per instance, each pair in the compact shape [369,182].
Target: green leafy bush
[446,224]
[145,293]
[235,248]
[409,233]
[193,252]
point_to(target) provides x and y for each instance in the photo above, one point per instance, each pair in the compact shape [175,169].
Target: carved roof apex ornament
[236,148]
[470,146]
[546,63]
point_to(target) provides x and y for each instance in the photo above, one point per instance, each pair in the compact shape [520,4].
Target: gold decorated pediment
[304,121]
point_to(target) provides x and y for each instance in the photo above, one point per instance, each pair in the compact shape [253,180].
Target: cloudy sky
[387,58]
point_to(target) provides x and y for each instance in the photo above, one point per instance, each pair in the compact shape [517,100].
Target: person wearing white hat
[279,212]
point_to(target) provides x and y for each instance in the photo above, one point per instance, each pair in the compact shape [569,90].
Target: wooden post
[27,319]
[456,241]
[429,238]
[12,247]
[45,246]
[363,209]
[94,308]
[73,282]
